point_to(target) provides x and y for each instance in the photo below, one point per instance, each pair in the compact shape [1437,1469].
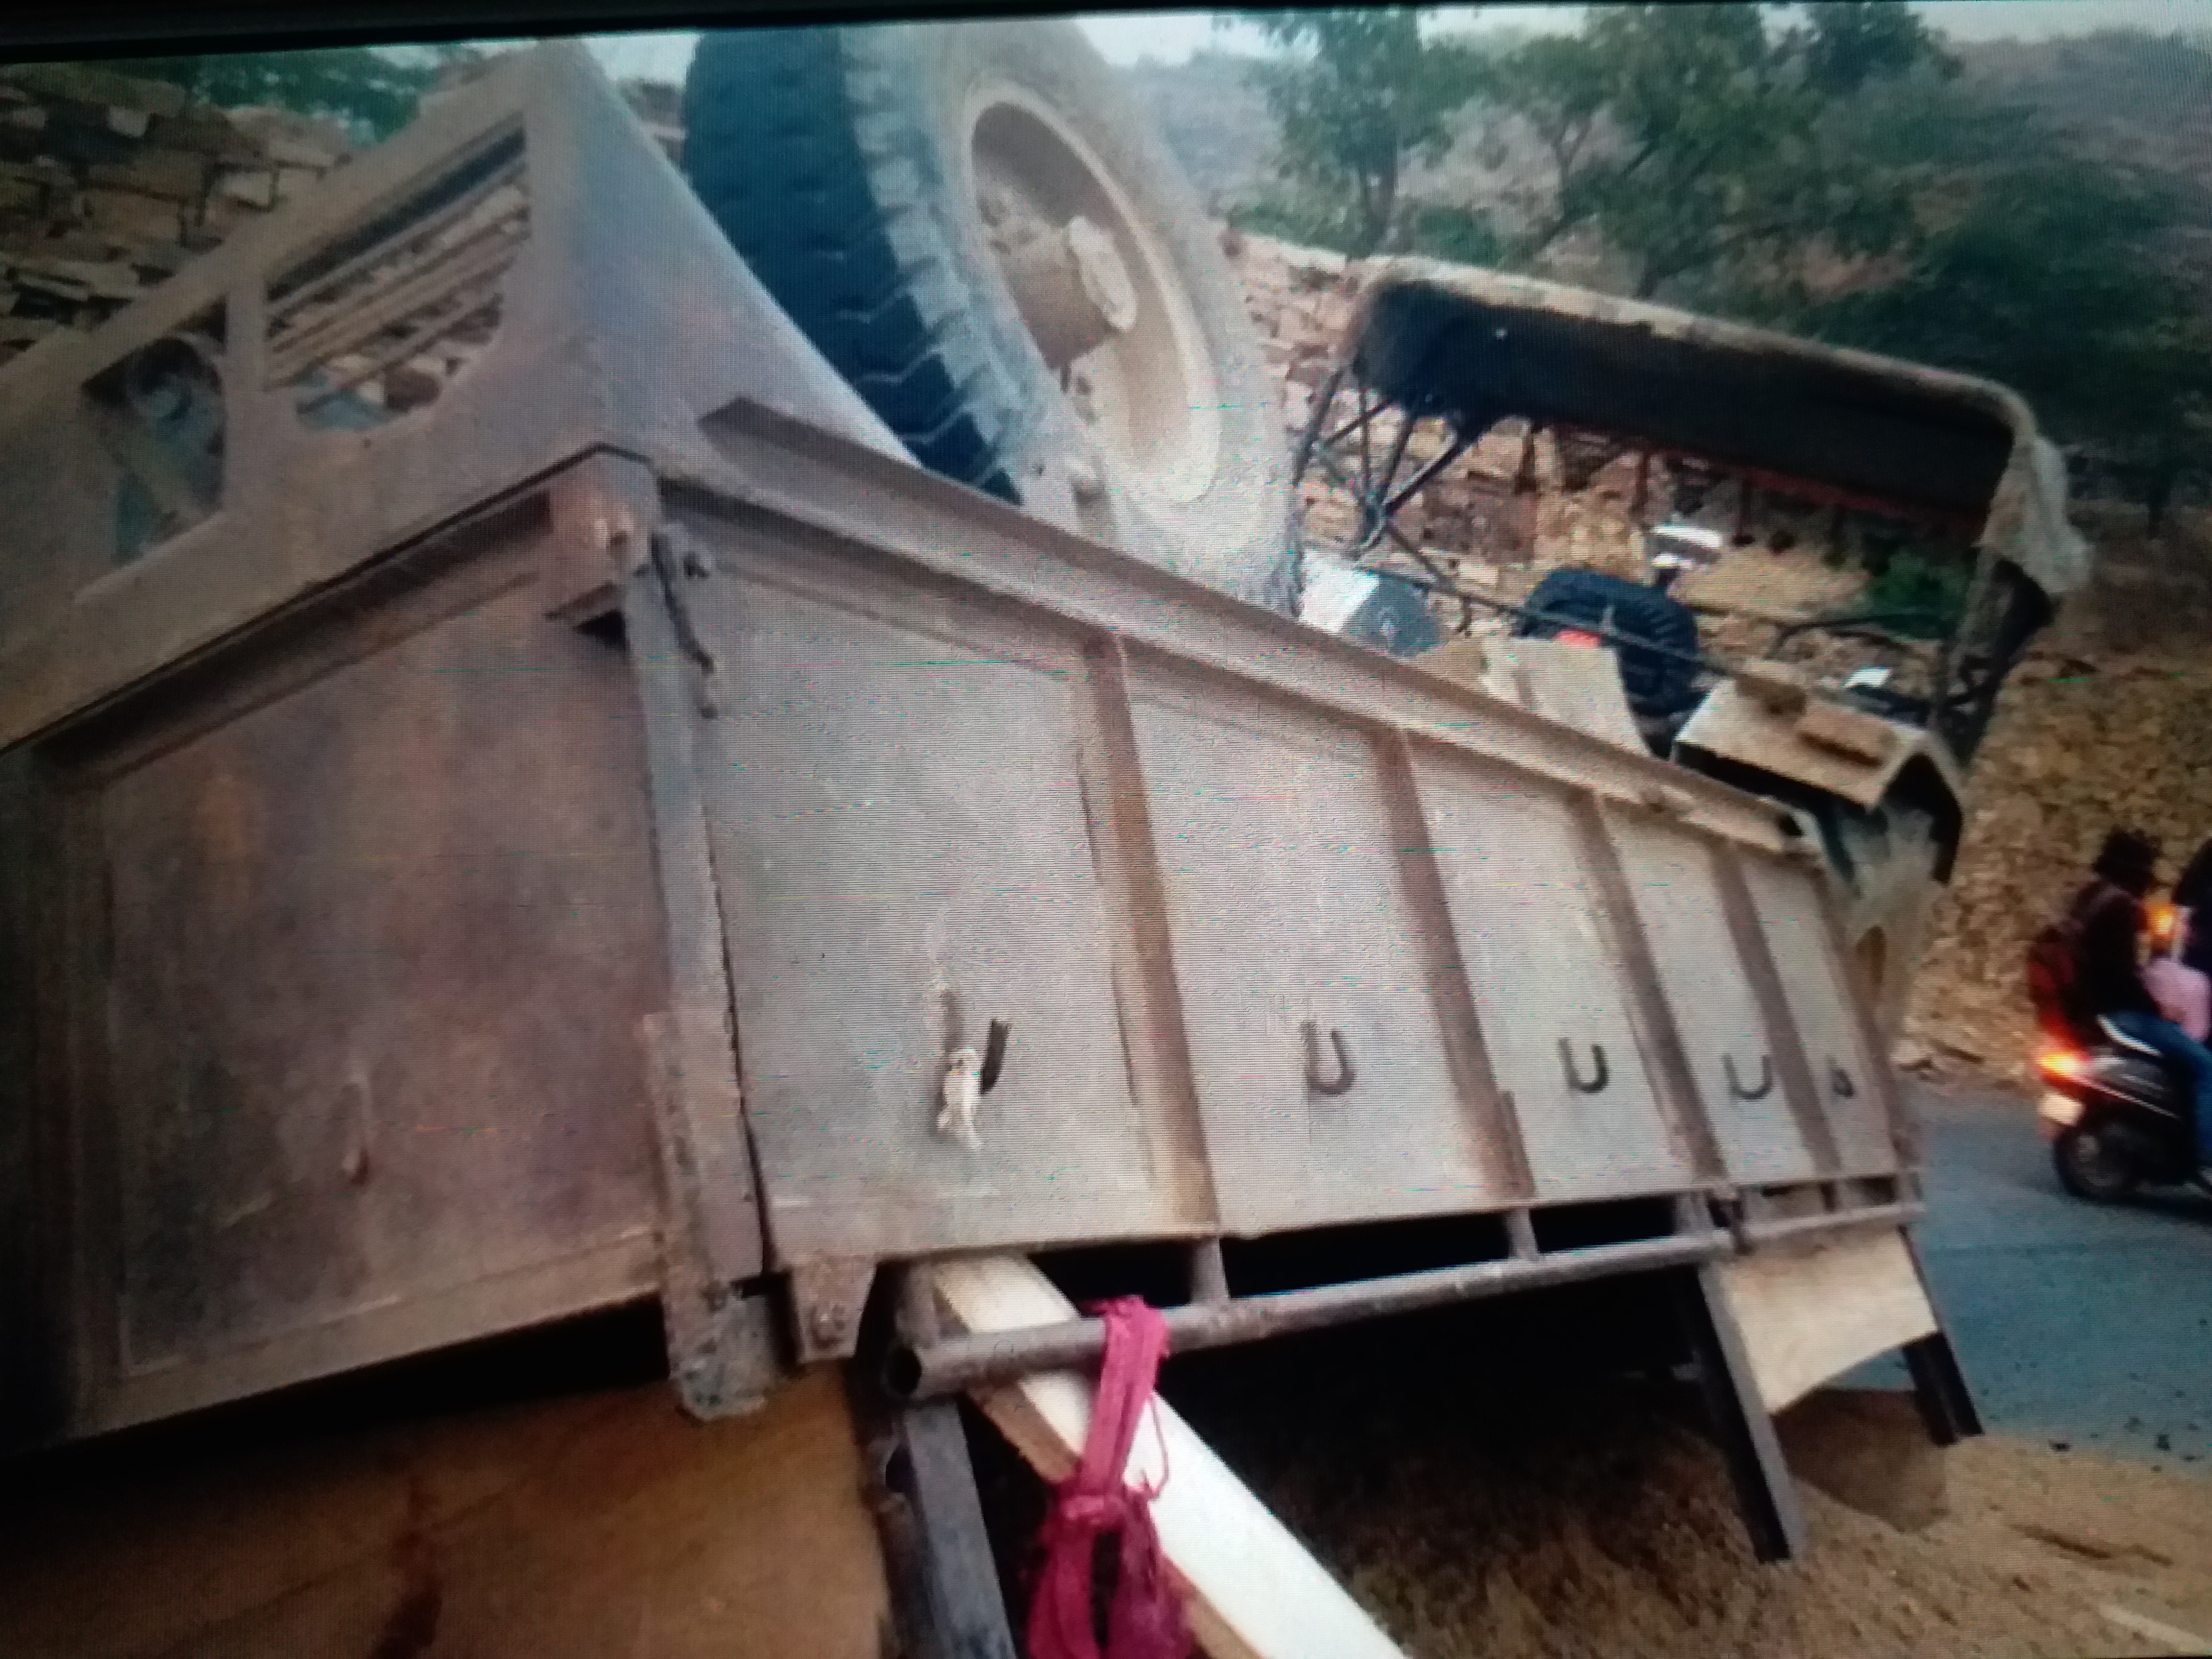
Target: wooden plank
[1252,1591]
[1810,1314]
[2172,1637]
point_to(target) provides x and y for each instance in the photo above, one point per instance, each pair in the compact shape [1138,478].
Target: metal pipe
[1801,1226]
[955,1363]
[976,1360]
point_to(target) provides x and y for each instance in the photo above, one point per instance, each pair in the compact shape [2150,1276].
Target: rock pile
[109,182]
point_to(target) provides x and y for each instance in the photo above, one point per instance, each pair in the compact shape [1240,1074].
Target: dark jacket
[2193,893]
[2107,969]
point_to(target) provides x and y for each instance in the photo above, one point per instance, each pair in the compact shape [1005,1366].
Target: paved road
[2074,1321]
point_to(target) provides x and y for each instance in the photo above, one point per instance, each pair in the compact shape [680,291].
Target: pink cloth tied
[1145,1618]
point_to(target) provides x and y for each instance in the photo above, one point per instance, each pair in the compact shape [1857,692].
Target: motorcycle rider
[2108,972]
[2193,898]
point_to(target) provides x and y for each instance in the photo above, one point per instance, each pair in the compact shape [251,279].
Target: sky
[1171,37]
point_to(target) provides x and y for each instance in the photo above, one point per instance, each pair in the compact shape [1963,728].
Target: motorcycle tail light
[1577,637]
[2061,1063]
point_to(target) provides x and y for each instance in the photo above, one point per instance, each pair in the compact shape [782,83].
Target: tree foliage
[1693,139]
[2053,276]
[1823,169]
[371,91]
[1356,95]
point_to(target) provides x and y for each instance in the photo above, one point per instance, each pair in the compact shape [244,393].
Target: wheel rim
[2094,1165]
[1099,295]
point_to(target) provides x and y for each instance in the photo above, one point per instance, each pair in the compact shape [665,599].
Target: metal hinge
[678,561]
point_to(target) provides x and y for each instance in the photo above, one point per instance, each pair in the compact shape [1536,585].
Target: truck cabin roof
[1845,427]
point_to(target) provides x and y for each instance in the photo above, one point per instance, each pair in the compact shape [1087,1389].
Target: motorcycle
[2117,1116]
[2116,1113]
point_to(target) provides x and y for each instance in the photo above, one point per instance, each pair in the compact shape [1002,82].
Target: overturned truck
[607,829]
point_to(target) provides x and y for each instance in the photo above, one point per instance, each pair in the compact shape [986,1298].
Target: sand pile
[1565,1521]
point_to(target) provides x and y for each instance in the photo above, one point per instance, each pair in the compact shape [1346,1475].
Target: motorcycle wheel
[2090,1167]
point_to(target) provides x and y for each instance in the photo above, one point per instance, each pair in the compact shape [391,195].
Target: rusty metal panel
[1849,1079]
[364,925]
[1725,1036]
[1548,988]
[895,790]
[1289,911]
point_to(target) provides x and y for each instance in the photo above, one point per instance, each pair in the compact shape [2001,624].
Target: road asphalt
[2077,1323]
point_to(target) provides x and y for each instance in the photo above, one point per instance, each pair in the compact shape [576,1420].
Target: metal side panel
[1549,990]
[1850,1081]
[902,788]
[1745,1090]
[1290,914]
[358,928]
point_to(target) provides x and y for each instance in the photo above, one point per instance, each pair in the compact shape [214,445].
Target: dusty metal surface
[1738,728]
[350,938]
[953,778]
[949,1364]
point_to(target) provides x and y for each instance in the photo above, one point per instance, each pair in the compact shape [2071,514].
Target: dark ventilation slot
[159,414]
[385,319]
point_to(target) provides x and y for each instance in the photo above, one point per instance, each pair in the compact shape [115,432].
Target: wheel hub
[1097,293]
[1071,288]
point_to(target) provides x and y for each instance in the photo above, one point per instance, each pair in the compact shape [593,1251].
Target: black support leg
[1939,1389]
[945,1584]
[1740,1422]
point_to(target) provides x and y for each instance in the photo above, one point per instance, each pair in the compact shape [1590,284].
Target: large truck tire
[976,225]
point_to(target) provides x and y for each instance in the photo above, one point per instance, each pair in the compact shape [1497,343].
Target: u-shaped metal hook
[1735,1083]
[1345,1074]
[1574,1078]
[995,1054]
[1840,1081]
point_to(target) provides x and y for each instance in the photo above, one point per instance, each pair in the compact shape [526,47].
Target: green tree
[371,91]
[1356,95]
[1695,139]
[2054,276]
